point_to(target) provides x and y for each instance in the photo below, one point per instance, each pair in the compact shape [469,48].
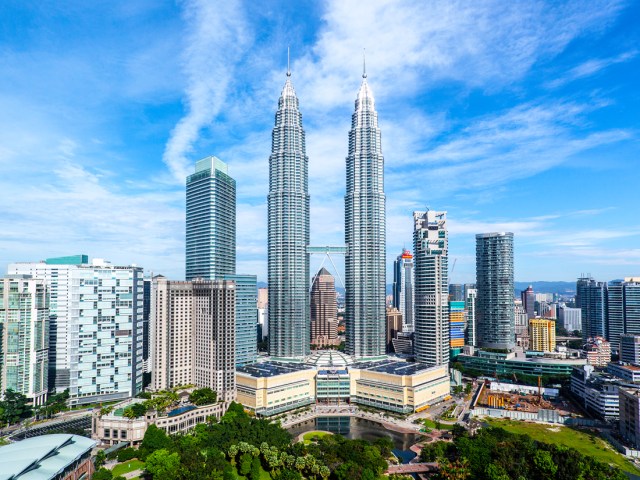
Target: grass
[128,466]
[314,435]
[431,424]
[586,443]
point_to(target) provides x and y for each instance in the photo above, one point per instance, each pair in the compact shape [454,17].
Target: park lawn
[309,436]
[431,424]
[586,443]
[128,466]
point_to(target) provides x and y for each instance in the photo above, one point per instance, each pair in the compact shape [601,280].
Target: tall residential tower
[403,289]
[365,262]
[288,232]
[430,245]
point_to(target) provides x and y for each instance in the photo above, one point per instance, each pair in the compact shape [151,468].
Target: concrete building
[570,318]
[597,351]
[172,333]
[629,422]
[494,281]
[591,298]
[403,292]
[146,333]
[542,334]
[193,335]
[96,326]
[210,221]
[624,371]
[470,295]
[324,310]
[263,297]
[623,297]
[430,244]
[365,232]
[24,337]
[597,392]
[490,363]
[394,326]
[288,232]
[521,323]
[271,388]
[48,457]
[528,297]
[630,348]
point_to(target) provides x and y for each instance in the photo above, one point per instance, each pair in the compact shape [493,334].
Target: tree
[154,439]
[544,464]
[163,466]
[101,458]
[14,407]
[127,454]
[457,470]
[203,396]
[102,474]
[254,474]
[244,466]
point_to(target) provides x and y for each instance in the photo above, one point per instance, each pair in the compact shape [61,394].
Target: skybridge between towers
[327,251]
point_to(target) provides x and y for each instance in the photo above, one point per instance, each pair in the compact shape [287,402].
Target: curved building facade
[365,232]
[288,232]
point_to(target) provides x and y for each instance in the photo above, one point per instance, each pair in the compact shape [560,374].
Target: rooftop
[42,457]
[329,358]
[394,367]
[271,369]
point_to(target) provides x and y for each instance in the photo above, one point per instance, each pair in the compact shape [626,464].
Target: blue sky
[516,116]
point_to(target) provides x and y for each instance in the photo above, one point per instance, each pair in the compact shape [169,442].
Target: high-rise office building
[394,326]
[570,318]
[246,317]
[470,295]
[288,232]
[591,297]
[365,232]
[494,280]
[403,288]
[24,337]
[623,309]
[528,301]
[324,310]
[98,331]
[211,221]
[456,292]
[456,328]
[430,245]
[542,334]
[630,348]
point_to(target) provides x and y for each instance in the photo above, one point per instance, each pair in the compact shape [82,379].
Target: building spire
[364,64]
[288,69]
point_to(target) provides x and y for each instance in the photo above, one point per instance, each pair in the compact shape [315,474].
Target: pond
[358,428]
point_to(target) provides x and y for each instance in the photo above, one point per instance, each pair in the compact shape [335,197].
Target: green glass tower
[211,221]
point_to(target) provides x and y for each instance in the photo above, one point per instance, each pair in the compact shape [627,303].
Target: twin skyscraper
[288,232]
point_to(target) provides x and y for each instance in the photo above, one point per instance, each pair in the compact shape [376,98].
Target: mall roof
[271,369]
[329,358]
[394,367]
[42,457]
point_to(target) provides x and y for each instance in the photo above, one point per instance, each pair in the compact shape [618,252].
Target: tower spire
[364,64]
[288,68]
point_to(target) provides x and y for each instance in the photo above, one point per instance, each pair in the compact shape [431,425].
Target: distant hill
[563,288]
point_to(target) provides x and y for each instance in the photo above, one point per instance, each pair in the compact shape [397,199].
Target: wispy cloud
[216,38]
[591,67]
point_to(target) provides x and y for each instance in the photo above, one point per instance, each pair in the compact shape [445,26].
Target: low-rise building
[113,427]
[626,372]
[629,423]
[597,352]
[48,457]
[329,377]
[491,362]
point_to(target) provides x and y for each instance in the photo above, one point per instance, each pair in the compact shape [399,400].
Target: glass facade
[495,308]
[365,232]
[288,232]
[403,289]
[211,221]
[591,297]
[432,328]
[246,317]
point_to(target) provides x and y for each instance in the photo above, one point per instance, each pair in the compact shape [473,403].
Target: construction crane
[453,267]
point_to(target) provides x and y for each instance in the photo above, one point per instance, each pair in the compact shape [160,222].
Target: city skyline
[507,135]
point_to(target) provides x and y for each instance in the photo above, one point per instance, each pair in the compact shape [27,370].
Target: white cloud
[591,67]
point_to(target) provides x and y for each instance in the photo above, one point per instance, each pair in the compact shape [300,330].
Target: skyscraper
[591,297]
[403,288]
[288,232]
[365,238]
[324,311]
[495,308]
[24,336]
[456,292]
[211,221]
[528,301]
[246,317]
[623,309]
[470,295]
[430,244]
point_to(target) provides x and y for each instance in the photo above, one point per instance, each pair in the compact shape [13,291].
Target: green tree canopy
[203,396]
[163,465]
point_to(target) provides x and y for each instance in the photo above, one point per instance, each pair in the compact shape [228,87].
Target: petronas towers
[288,232]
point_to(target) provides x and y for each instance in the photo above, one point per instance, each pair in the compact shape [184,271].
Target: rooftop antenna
[288,68]
[364,64]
